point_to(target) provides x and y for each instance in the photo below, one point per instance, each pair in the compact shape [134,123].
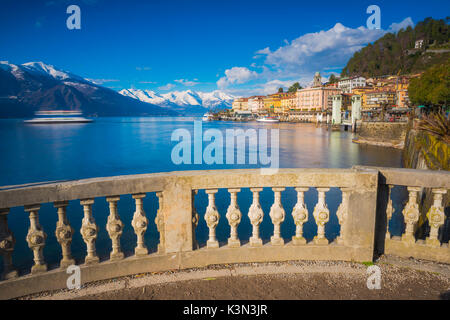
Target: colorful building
[348,84]
[315,99]
[378,99]
[256,103]
[289,102]
[240,104]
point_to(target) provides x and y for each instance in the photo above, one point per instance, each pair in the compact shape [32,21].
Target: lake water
[120,146]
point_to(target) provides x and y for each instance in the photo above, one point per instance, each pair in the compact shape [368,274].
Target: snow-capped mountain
[183,100]
[34,86]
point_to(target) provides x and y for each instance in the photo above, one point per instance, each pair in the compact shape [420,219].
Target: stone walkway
[400,279]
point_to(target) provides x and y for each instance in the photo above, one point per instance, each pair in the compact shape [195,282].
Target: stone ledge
[56,279]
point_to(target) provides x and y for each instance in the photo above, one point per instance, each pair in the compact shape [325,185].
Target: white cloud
[148,82]
[167,87]
[300,58]
[186,82]
[236,75]
[316,51]
[395,27]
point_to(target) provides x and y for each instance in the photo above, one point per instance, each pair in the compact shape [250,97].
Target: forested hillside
[394,53]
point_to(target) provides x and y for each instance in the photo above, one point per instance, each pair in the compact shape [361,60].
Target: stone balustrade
[363,216]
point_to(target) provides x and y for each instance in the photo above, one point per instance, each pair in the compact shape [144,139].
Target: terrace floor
[400,279]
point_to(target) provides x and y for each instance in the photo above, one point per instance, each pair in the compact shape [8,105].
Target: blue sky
[242,47]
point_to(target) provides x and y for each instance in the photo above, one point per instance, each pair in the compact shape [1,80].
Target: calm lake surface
[121,146]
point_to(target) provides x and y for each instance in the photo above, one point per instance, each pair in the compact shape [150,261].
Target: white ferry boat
[58,116]
[268,119]
[207,117]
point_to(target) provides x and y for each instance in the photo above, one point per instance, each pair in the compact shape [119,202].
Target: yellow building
[272,103]
[377,99]
[362,92]
[288,102]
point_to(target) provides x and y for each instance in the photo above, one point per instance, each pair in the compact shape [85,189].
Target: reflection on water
[119,146]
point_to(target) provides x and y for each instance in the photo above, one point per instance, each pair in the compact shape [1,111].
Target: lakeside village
[375,99]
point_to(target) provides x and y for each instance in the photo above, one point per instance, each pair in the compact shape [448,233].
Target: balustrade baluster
[342,214]
[389,211]
[300,215]
[140,223]
[234,216]
[411,215]
[436,217]
[159,221]
[255,215]
[89,232]
[36,239]
[212,218]
[114,226]
[322,216]
[277,215]
[64,234]
[195,219]
[7,242]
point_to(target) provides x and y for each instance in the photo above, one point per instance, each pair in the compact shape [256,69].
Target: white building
[418,44]
[347,84]
[256,103]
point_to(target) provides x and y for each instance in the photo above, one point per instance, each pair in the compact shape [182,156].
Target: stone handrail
[362,217]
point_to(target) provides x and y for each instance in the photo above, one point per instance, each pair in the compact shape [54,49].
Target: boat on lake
[208,117]
[58,116]
[268,119]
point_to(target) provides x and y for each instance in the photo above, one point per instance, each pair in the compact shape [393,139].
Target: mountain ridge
[187,100]
[34,86]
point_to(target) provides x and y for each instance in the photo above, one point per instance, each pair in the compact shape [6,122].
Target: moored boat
[268,119]
[58,116]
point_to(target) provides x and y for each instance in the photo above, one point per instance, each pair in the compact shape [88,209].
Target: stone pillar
[356,108]
[411,215]
[277,215]
[7,242]
[178,215]
[234,216]
[89,231]
[114,226]
[336,111]
[300,215]
[212,218]
[64,234]
[436,217]
[139,223]
[322,216]
[362,212]
[255,215]
[36,239]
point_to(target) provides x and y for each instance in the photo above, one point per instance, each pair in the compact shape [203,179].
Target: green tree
[296,86]
[280,90]
[432,88]
[333,79]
